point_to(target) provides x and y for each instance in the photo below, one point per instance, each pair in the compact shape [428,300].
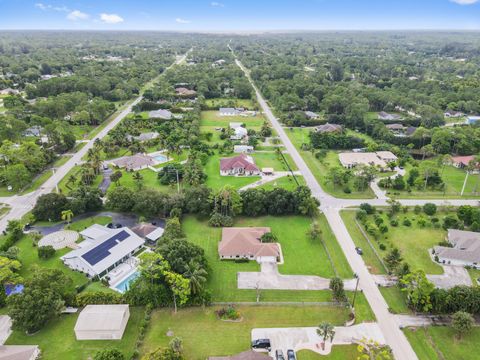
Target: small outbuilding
[102,322]
[19,352]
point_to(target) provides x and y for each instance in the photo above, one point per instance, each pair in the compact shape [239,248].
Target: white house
[19,352]
[103,250]
[102,322]
[243,149]
[228,111]
[379,158]
[160,114]
[465,250]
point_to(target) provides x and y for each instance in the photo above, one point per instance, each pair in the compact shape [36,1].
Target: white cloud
[46,7]
[77,15]
[216,4]
[111,18]
[182,21]
[465,2]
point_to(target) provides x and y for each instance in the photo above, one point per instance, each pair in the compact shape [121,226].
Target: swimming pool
[123,285]
[160,158]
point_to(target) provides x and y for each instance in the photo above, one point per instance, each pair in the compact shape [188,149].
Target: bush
[46,252]
[430,209]
[407,222]
[219,220]
[361,215]
[228,313]
[268,237]
[369,209]
[394,222]
[98,297]
[347,190]
[382,247]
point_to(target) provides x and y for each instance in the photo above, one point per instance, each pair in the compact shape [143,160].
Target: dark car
[114,226]
[262,344]
[279,355]
[359,251]
[290,354]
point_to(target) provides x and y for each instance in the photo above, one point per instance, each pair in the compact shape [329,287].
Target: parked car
[114,226]
[290,354]
[359,251]
[279,355]
[262,344]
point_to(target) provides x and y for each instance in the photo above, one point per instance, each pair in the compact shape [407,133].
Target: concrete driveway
[452,276]
[307,338]
[270,278]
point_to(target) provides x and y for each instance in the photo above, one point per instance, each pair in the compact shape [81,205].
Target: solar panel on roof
[101,251]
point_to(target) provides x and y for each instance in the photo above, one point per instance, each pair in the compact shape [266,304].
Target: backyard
[412,241]
[205,335]
[57,339]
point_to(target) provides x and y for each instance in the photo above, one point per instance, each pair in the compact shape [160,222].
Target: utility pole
[355,293]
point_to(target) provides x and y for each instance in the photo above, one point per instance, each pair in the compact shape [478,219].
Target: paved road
[20,205]
[331,206]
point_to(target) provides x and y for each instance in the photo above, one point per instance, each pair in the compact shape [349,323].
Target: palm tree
[326,331]
[138,178]
[88,174]
[72,179]
[197,276]
[67,216]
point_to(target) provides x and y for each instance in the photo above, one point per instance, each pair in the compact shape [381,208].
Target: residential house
[143,136]
[245,243]
[228,111]
[151,233]
[462,162]
[9,91]
[102,322]
[465,250]
[134,162]
[328,128]
[184,92]
[382,115]
[246,355]
[311,115]
[453,114]
[242,165]
[103,250]
[243,149]
[33,131]
[380,158]
[160,114]
[239,131]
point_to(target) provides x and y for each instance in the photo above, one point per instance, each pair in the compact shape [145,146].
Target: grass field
[57,339]
[439,343]
[84,223]
[453,178]
[339,352]
[75,171]
[204,335]
[296,247]
[395,299]
[298,136]
[413,241]
[286,182]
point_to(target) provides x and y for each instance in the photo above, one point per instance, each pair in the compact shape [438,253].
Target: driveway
[270,278]
[307,338]
[452,276]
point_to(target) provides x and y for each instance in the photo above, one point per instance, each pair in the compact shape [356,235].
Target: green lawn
[84,223]
[286,182]
[413,241]
[320,169]
[339,352]
[453,178]
[216,181]
[75,171]
[204,335]
[395,299]
[57,339]
[439,343]
[273,160]
[371,260]
[474,275]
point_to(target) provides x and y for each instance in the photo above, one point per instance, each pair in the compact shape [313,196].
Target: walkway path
[270,278]
[23,204]
[269,178]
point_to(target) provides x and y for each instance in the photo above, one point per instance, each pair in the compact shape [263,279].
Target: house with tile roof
[245,243]
[464,250]
[241,165]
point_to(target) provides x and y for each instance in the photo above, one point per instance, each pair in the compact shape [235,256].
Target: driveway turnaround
[270,278]
[60,239]
[452,276]
[307,338]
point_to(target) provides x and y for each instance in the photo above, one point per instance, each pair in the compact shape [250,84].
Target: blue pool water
[123,285]
[160,158]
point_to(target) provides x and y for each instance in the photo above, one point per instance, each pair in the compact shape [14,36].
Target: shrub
[417,209]
[347,190]
[98,297]
[394,222]
[361,215]
[268,237]
[429,209]
[219,220]
[382,247]
[369,209]
[46,252]
[407,222]
[383,228]
[228,313]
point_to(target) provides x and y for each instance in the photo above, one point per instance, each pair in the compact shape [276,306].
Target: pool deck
[121,272]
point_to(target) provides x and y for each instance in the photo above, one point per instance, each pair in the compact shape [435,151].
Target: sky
[240,15]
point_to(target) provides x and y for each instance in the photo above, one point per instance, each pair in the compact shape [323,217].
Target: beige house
[245,243]
[19,352]
[380,158]
[102,322]
[246,355]
[465,250]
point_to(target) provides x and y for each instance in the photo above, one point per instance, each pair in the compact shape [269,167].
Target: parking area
[307,338]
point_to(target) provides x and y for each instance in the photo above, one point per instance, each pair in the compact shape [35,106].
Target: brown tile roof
[134,162]
[241,161]
[245,242]
[185,91]
[327,128]
[464,160]
[143,230]
[246,355]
